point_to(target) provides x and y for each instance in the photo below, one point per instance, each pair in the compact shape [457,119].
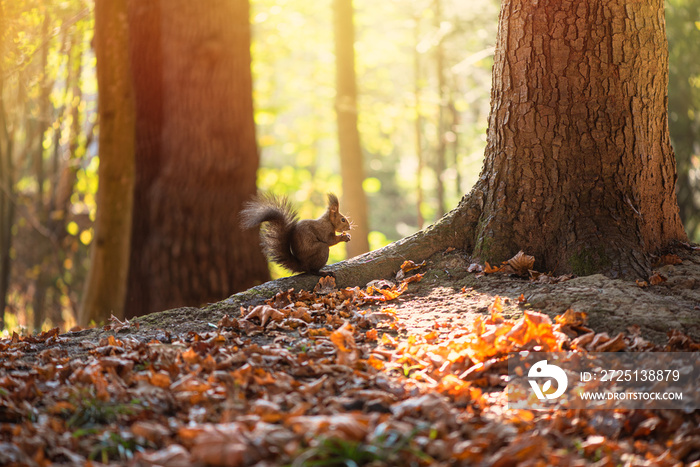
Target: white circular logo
[543,370]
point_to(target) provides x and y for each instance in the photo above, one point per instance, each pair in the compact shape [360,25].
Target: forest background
[424,77]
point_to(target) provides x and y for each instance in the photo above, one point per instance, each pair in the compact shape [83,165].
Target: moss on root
[589,261]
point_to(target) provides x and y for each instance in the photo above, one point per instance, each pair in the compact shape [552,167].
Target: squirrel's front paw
[345,237]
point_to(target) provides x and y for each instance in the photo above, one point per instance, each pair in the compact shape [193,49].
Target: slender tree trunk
[65,172]
[351,160]
[196,154]
[44,115]
[579,169]
[441,150]
[43,246]
[105,289]
[6,203]
[455,124]
[418,124]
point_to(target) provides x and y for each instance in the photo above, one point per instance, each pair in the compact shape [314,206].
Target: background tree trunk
[351,161]
[579,170]
[105,288]
[6,202]
[196,154]
[418,124]
[42,235]
[441,148]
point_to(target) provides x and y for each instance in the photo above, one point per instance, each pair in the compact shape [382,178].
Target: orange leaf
[371,335]
[190,356]
[388,341]
[375,363]
[572,318]
[344,342]
[61,406]
[160,379]
[413,278]
[101,385]
[321,332]
[410,265]
[657,279]
[343,338]
[534,327]
[496,308]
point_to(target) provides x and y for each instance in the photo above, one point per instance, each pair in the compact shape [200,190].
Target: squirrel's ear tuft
[333,201]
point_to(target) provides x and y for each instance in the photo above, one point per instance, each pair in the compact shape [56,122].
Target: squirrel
[298,245]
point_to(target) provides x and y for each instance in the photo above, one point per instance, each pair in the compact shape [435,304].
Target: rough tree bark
[579,169]
[351,160]
[105,287]
[196,154]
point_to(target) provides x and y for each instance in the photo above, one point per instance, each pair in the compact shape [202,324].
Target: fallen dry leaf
[265,313]
[571,318]
[116,325]
[614,345]
[325,285]
[344,341]
[223,445]
[519,264]
[350,426]
[657,279]
[410,266]
[308,371]
[174,455]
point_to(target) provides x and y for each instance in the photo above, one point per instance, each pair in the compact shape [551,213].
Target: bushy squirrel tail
[276,236]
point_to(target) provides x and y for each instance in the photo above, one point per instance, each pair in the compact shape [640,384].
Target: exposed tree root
[456,229]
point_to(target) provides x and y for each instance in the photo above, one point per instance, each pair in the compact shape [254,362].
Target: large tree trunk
[105,288]
[579,169]
[196,154]
[351,160]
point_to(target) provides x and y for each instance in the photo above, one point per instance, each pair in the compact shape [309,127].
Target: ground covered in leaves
[404,371]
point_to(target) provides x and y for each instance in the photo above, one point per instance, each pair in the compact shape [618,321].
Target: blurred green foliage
[683,31]
[49,98]
[293,70]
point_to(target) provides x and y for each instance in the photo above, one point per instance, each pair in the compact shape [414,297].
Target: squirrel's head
[340,222]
